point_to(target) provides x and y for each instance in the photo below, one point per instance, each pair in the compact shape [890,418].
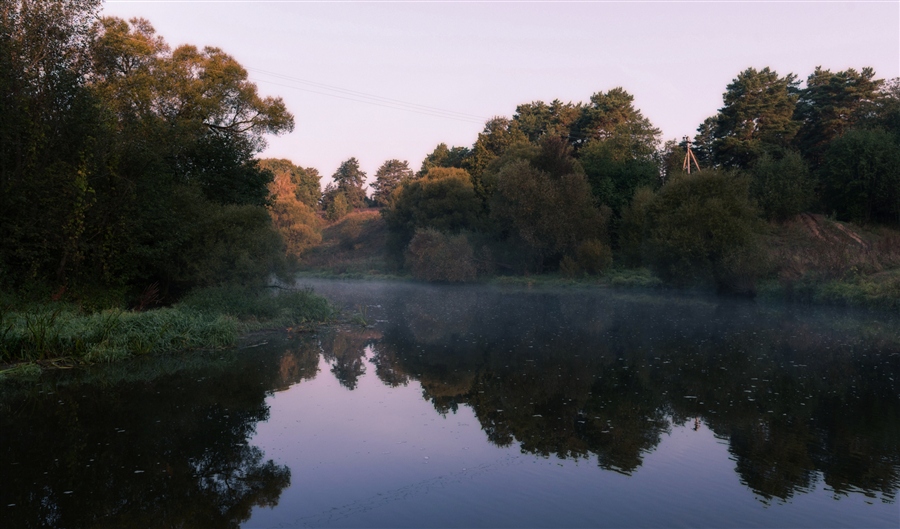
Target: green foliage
[758,112]
[303,182]
[546,203]
[611,117]
[614,178]
[634,278]
[435,256]
[633,226]
[388,177]
[782,185]
[861,176]
[442,156]
[207,318]
[705,143]
[337,206]
[537,119]
[703,228]
[444,199]
[60,331]
[887,108]
[292,216]
[298,225]
[350,181]
[126,158]
[498,135]
[349,233]
[592,257]
[831,104]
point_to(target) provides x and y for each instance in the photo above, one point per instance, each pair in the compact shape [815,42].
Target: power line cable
[375,103]
[353,95]
[367,95]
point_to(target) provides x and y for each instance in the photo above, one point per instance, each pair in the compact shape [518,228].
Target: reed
[208,319]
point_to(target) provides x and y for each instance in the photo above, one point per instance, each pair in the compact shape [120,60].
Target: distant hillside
[354,244]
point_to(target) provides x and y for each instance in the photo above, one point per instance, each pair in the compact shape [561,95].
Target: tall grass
[207,319]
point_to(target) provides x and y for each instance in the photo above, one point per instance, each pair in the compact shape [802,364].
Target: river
[478,406]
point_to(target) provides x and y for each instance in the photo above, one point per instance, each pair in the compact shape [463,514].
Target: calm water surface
[479,407]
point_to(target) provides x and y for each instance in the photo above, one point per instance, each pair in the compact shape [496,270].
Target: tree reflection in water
[800,396]
[163,443]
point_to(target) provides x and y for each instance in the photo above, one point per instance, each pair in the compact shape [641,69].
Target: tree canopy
[758,113]
[388,177]
[124,162]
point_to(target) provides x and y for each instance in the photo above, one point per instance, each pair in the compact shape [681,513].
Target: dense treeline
[128,166]
[575,187]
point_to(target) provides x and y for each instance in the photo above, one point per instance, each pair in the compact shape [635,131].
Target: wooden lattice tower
[689,157]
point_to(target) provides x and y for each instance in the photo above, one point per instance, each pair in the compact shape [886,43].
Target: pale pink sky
[481,59]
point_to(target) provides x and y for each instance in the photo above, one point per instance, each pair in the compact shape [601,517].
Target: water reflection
[800,396]
[165,445]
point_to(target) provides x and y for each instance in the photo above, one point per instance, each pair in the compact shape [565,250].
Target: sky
[381,80]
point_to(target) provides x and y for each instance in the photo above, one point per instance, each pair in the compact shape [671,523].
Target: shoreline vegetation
[809,259]
[62,334]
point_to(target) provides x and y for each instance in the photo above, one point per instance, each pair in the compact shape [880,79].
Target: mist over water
[480,407]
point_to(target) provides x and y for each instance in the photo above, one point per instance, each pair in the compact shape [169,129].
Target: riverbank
[63,334]
[809,259]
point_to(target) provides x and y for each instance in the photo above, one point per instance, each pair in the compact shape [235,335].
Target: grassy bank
[59,333]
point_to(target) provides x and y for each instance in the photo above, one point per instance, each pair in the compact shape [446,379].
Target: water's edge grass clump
[60,333]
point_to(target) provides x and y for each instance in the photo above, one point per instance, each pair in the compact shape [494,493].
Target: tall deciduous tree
[294,219]
[48,137]
[127,162]
[612,181]
[758,114]
[388,177]
[545,201]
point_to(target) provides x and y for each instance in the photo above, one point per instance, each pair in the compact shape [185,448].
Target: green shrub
[782,185]
[349,233]
[860,176]
[434,256]
[703,228]
[338,207]
[634,278]
[444,199]
[594,257]
[631,228]
[570,268]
